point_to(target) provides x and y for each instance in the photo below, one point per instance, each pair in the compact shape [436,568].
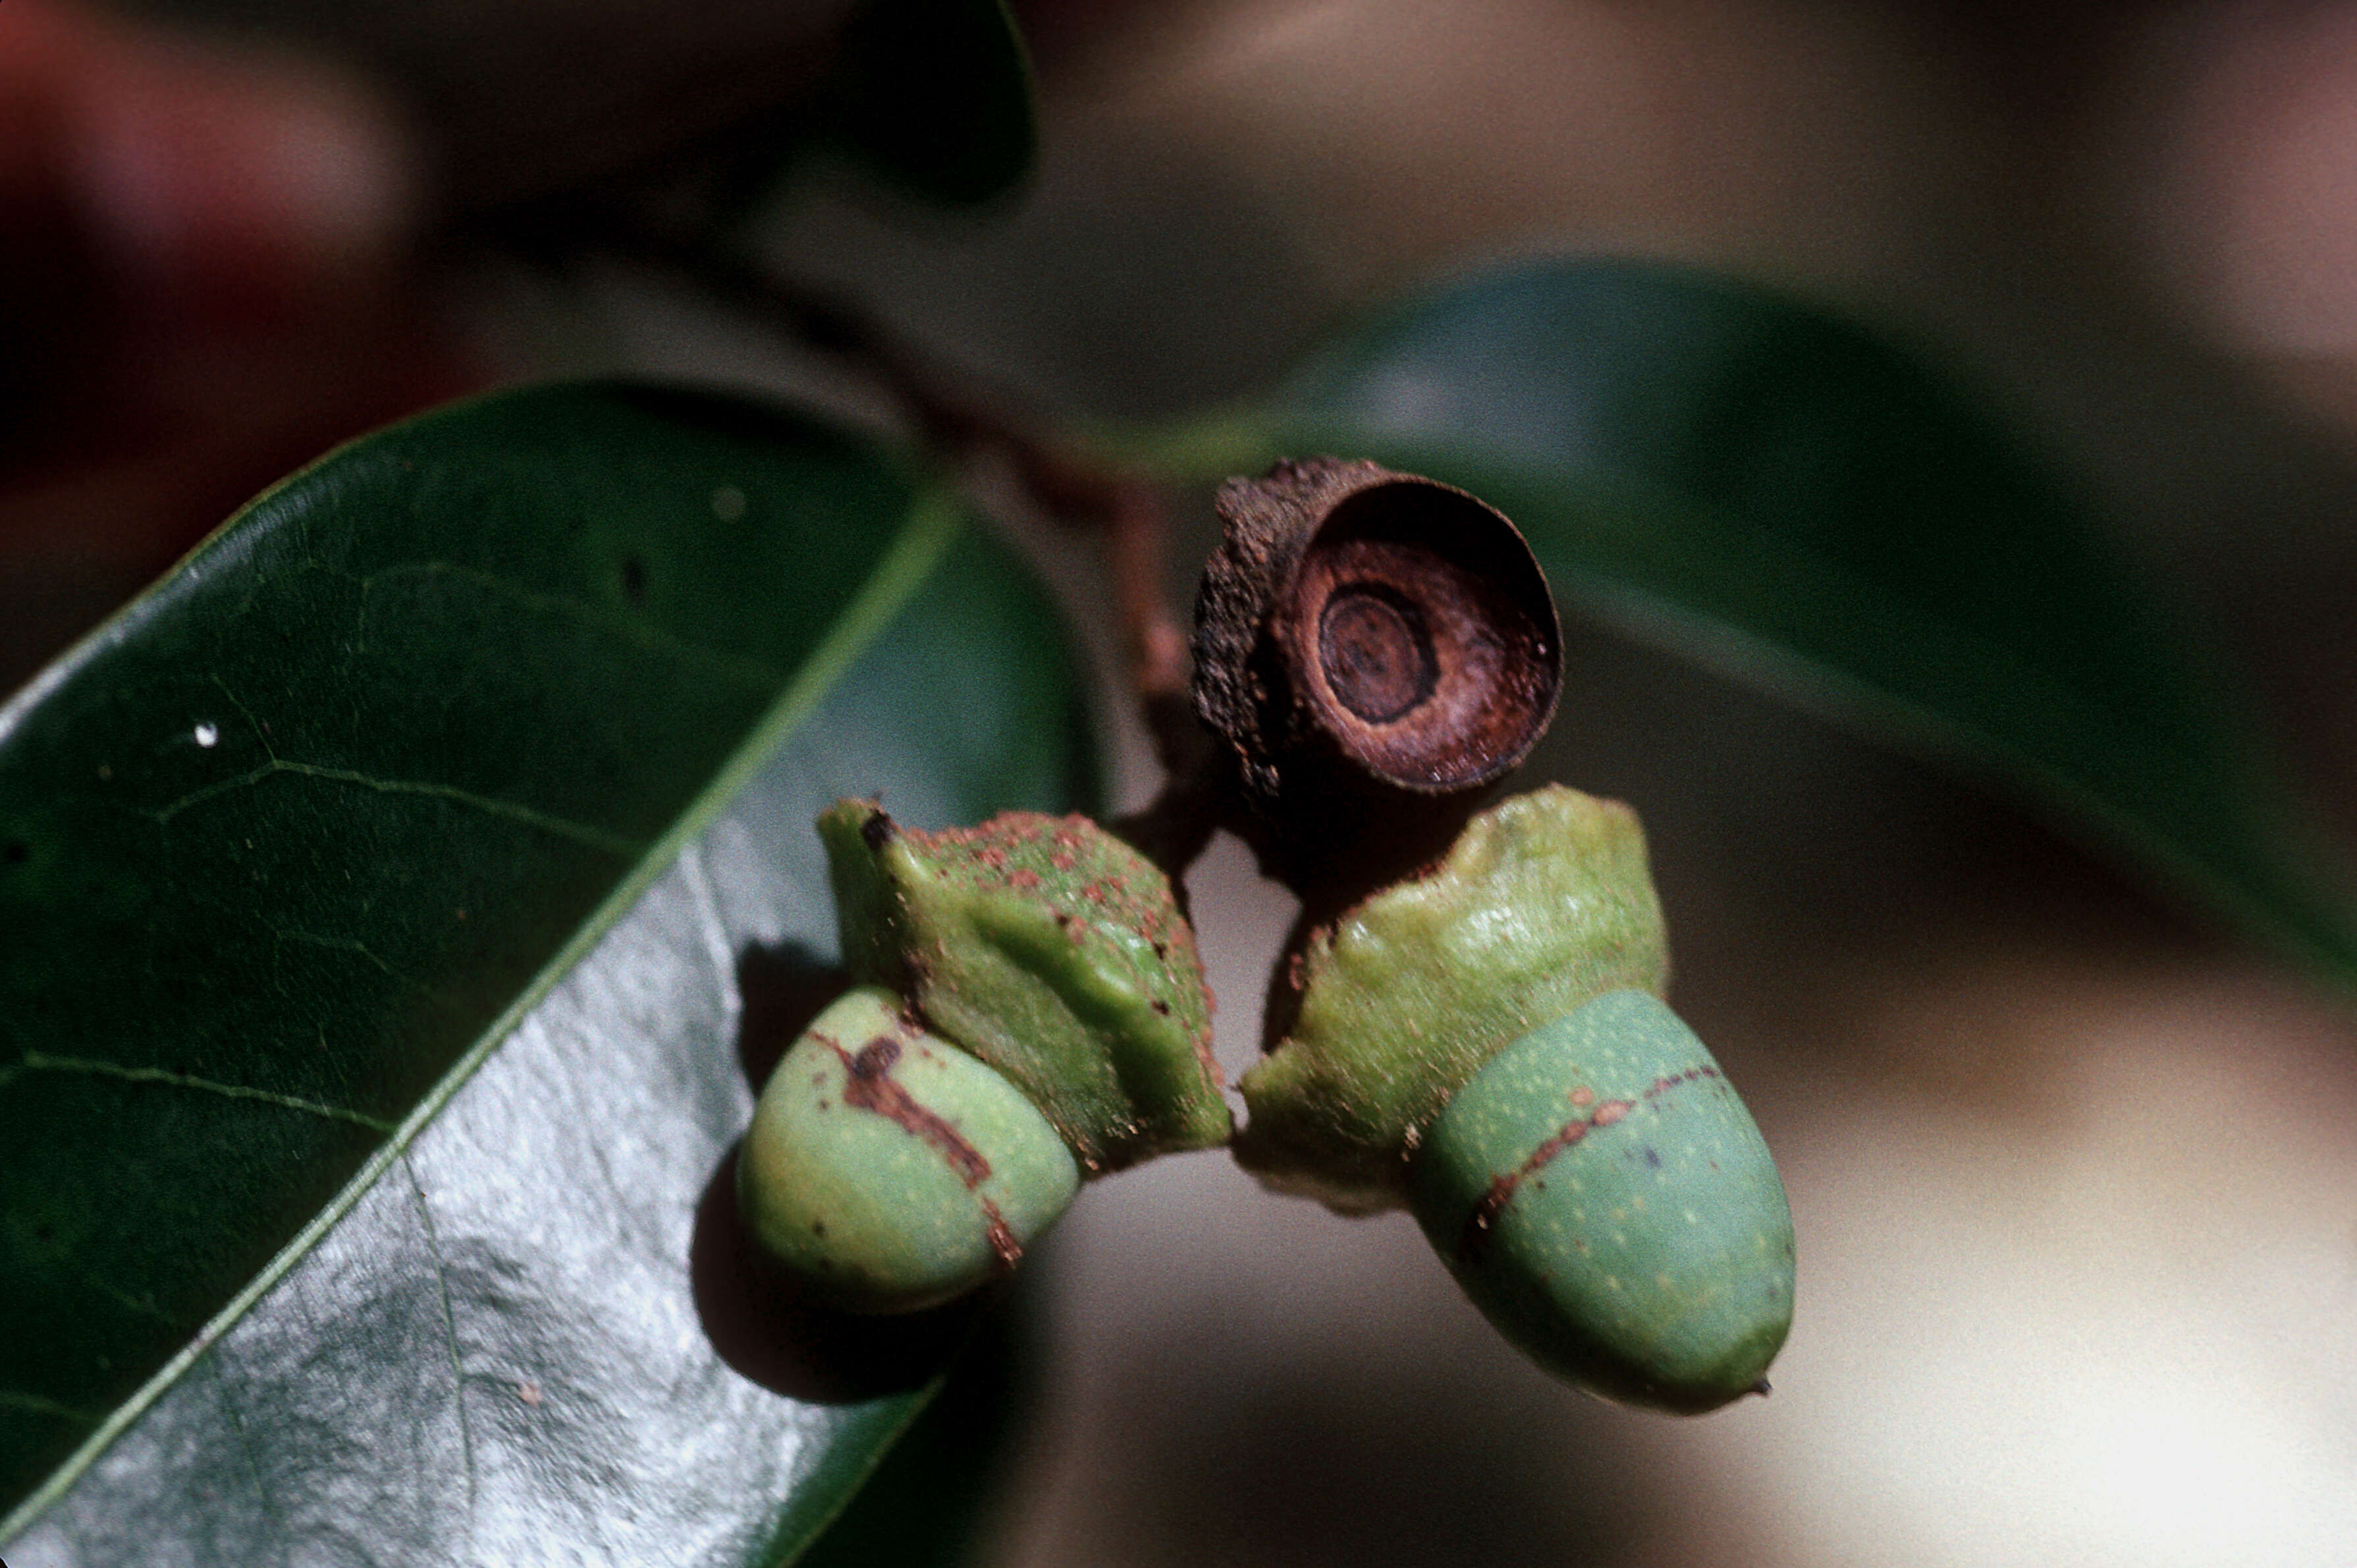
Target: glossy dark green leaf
[382,895]
[1771,489]
[935,96]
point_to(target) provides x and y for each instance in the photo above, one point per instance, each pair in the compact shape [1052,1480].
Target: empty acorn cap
[1362,630]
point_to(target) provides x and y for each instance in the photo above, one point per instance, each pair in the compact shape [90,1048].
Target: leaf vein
[450,1330]
[354,946]
[42,1062]
[35,1404]
[711,925]
[244,1443]
[595,838]
[751,673]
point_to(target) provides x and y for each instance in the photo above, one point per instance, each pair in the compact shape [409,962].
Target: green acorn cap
[889,1171]
[1542,904]
[1050,950]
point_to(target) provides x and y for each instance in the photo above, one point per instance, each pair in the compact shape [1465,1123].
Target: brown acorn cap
[1377,649]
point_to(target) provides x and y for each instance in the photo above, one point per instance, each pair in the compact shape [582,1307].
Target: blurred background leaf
[542,100]
[403,901]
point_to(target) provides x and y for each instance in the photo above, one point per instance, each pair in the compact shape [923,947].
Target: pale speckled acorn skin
[1603,1196]
[1050,949]
[1543,903]
[889,1171]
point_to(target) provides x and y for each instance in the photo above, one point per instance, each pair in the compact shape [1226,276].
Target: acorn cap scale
[1376,648]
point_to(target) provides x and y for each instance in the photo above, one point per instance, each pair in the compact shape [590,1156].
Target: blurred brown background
[2075,1178]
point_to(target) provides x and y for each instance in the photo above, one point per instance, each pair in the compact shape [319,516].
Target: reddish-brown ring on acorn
[1362,634]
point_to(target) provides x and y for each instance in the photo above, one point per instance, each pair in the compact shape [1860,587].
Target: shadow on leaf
[781,989]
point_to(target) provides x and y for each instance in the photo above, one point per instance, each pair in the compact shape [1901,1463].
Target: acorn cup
[1377,651]
[1029,1011]
[1485,1045]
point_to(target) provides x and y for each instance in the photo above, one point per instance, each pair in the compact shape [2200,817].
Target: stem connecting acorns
[1469,1023]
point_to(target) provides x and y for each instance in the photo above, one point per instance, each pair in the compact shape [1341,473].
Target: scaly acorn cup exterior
[1485,1043]
[1050,949]
[1543,903]
[1029,1008]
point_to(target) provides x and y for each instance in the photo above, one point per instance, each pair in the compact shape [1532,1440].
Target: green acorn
[1485,1045]
[892,1169]
[1031,1010]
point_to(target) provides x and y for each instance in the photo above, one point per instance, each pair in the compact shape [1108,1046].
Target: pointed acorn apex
[1601,1192]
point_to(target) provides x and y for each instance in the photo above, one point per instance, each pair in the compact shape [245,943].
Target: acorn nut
[1030,1010]
[890,1170]
[1603,1196]
[1485,1045]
